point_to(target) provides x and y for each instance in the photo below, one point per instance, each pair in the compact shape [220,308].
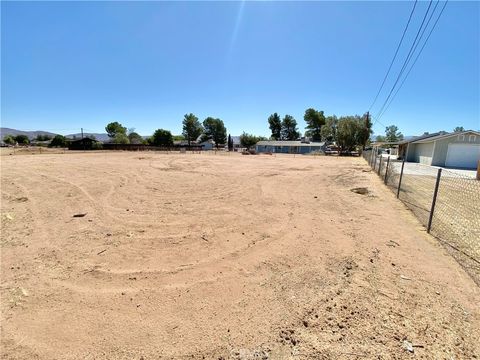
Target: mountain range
[33,134]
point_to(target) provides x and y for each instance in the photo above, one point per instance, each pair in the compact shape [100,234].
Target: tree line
[348,132]
[210,129]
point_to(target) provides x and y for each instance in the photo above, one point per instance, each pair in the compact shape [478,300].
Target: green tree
[121,138]
[275,124]
[289,128]
[364,130]
[329,130]
[215,130]
[192,128]
[135,138]
[230,143]
[22,139]
[97,145]
[315,120]
[115,128]
[58,141]
[459,129]
[162,137]
[347,133]
[380,138]
[249,140]
[9,140]
[43,137]
[392,134]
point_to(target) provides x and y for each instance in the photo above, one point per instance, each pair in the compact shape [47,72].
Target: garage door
[463,155]
[423,153]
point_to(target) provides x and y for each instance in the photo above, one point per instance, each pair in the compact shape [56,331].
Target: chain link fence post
[400,180]
[386,170]
[434,200]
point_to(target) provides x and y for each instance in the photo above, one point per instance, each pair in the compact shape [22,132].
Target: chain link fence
[446,202]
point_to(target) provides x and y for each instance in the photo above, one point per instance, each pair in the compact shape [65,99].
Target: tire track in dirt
[38,232]
[207,267]
[199,266]
[298,280]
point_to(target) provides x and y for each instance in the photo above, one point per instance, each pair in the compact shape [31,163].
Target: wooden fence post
[434,200]
[380,165]
[478,170]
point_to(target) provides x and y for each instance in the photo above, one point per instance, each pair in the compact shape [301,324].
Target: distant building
[82,144]
[458,150]
[236,143]
[403,144]
[208,145]
[40,143]
[289,147]
[183,143]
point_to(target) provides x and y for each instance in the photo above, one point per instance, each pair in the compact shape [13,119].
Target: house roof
[87,139]
[184,142]
[288,143]
[444,136]
[209,141]
[421,137]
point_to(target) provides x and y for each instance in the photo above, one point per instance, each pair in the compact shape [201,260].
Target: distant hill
[31,134]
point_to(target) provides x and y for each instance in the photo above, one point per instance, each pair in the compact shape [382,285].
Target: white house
[456,150]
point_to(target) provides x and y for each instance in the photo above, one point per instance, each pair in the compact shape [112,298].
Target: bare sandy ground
[221,257]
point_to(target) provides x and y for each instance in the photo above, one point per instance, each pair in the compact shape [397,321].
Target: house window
[472,138]
[461,137]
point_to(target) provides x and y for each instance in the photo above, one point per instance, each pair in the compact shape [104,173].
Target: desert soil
[198,256]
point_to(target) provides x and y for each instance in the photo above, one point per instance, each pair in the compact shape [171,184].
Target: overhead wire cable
[416,58]
[407,59]
[394,56]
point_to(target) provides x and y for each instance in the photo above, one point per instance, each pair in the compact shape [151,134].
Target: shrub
[162,137]
[58,141]
[22,139]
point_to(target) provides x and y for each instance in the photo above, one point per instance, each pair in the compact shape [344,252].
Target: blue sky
[145,64]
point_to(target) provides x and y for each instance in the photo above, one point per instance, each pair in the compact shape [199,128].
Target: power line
[394,56]
[425,28]
[377,121]
[416,58]
[380,114]
[410,55]
[407,59]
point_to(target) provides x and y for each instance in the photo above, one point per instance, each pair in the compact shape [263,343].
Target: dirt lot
[221,257]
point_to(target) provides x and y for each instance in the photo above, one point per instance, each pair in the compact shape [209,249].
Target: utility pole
[366,128]
[83,142]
